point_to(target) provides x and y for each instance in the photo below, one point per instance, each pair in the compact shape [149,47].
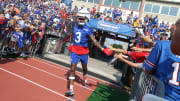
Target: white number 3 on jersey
[78,37]
[174,79]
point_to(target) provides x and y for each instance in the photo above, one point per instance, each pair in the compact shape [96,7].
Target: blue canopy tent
[119,30]
[111,27]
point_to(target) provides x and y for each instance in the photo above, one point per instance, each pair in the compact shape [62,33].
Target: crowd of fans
[23,25]
[29,20]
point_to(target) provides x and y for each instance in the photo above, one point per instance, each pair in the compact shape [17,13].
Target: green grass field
[108,93]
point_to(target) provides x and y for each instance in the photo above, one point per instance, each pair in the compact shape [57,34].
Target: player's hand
[70,47]
[107,51]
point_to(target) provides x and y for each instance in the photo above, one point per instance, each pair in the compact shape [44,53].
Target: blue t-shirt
[146,19]
[135,17]
[49,23]
[109,11]
[105,11]
[162,26]
[114,12]
[119,13]
[27,36]
[149,24]
[155,21]
[167,26]
[167,66]
[153,31]
[81,36]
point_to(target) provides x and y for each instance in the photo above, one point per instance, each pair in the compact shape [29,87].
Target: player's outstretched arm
[95,42]
[105,50]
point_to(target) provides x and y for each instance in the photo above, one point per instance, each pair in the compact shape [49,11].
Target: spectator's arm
[117,50]
[18,28]
[32,33]
[141,49]
[61,30]
[135,65]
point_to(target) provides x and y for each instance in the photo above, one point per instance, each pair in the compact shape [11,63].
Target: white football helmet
[83,16]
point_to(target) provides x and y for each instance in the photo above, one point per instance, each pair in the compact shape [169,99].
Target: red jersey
[139,57]
[94,10]
[34,39]
[61,12]
[64,15]
[2,21]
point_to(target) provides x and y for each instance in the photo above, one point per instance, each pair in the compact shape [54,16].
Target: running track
[34,79]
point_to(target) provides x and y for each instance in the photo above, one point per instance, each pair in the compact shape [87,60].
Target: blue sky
[112,41]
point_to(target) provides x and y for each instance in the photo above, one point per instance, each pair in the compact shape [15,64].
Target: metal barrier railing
[9,45]
[146,84]
[6,40]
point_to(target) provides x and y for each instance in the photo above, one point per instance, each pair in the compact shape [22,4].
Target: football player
[79,48]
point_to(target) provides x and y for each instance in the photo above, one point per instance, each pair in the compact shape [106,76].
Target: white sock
[71,87]
[85,75]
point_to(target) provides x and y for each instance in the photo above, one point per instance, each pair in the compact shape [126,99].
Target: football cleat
[85,79]
[69,93]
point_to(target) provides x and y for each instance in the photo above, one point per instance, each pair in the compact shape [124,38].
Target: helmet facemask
[83,17]
[82,20]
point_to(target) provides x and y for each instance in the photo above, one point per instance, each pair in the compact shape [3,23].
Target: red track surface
[34,79]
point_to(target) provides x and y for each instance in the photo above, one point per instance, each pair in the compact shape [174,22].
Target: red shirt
[64,15]
[2,21]
[60,12]
[139,57]
[94,10]
[34,39]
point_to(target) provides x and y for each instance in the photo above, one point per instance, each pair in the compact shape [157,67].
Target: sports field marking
[34,83]
[66,69]
[54,75]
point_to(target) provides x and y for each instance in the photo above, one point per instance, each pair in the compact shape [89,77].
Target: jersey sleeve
[151,63]
[90,31]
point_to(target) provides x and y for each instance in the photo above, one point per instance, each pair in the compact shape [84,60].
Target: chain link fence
[146,84]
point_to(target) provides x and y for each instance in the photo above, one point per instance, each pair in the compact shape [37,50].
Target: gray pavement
[95,66]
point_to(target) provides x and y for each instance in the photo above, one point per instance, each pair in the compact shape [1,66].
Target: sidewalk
[96,68]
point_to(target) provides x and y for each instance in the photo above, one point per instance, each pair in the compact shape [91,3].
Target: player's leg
[84,72]
[84,60]
[74,61]
[71,78]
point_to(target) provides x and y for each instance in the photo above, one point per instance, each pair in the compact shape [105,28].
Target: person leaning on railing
[164,64]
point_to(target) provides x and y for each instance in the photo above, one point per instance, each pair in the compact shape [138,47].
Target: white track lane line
[65,69]
[54,75]
[34,83]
